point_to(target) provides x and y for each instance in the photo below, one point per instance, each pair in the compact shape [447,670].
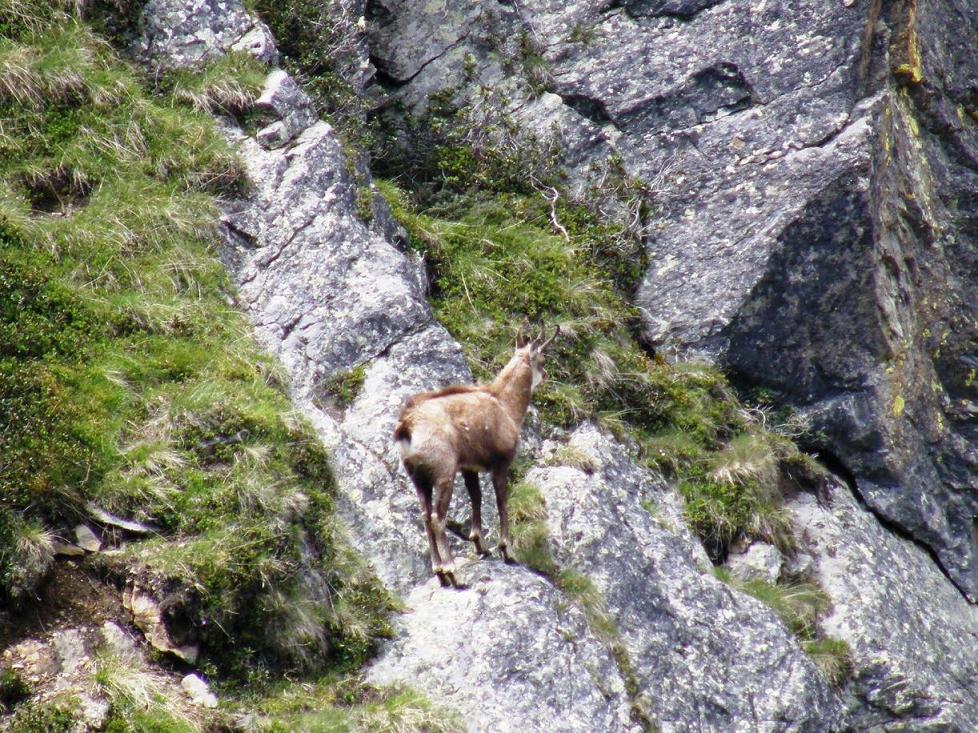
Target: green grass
[227,85]
[140,700]
[833,657]
[60,715]
[528,529]
[125,377]
[346,704]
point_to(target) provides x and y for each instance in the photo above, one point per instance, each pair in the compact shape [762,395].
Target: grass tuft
[833,657]
[139,700]
[228,85]
[348,704]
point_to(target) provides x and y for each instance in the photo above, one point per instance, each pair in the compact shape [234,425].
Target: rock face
[533,665]
[85,668]
[913,637]
[614,525]
[180,34]
[814,169]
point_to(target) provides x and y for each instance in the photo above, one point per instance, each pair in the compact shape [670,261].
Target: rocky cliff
[813,171]
[809,171]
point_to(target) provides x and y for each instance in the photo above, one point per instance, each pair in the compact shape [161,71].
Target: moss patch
[343,387]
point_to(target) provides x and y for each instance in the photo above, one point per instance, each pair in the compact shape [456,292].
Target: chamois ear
[522,335]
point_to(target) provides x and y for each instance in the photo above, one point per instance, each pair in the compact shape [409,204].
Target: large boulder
[704,657]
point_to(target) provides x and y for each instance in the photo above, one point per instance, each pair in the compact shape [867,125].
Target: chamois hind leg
[500,482]
[422,485]
[439,519]
[475,497]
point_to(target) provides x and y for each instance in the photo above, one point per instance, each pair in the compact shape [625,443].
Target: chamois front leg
[500,482]
[439,520]
[475,498]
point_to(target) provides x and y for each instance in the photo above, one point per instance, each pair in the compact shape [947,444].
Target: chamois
[471,428]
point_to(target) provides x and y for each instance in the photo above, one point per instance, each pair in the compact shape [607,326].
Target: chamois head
[533,351]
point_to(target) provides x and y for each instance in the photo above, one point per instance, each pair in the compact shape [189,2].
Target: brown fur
[468,428]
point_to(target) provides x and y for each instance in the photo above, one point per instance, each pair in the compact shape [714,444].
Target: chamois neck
[513,387]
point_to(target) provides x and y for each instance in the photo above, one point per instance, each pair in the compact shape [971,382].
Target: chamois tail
[402,436]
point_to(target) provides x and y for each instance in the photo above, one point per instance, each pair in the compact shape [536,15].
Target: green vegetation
[13,689]
[227,85]
[833,657]
[56,716]
[126,379]
[343,387]
[319,41]
[138,700]
[347,704]
[800,605]
[573,457]
[528,530]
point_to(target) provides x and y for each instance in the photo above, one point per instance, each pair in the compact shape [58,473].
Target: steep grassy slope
[128,381]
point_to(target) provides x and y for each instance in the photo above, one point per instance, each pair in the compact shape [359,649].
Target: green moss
[344,387]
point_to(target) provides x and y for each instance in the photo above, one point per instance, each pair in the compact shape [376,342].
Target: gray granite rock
[704,657]
[198,691]
[185,33]
[509,653]
[760,561]
[914,638]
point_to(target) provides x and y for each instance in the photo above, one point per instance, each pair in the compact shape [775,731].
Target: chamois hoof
[448,580]
[507,558]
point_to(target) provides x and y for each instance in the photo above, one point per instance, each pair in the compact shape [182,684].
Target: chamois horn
[546,343]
